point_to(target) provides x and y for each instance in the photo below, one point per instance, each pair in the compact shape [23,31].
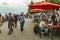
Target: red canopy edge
[37,10]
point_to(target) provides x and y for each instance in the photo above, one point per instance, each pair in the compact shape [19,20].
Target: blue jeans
[46,29]
[22,24]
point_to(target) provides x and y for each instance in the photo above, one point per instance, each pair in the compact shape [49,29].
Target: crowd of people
[12,21]
[49,24]
[45,22]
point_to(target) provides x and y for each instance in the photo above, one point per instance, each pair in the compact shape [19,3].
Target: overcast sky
[19,2]
[16,5]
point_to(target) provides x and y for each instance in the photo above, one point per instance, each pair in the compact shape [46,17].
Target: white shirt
[42,23]
[49,19]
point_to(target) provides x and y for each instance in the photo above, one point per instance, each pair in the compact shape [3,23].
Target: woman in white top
[43,25]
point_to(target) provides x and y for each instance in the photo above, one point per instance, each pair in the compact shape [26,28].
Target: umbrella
[44,5]
[37,10]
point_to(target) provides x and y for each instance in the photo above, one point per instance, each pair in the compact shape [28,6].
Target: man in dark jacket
[15,20]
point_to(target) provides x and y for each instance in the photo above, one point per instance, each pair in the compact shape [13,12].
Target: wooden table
[54,30]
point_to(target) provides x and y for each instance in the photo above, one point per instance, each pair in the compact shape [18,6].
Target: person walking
[1,21]
[10,23]
[15,20]
[22,21]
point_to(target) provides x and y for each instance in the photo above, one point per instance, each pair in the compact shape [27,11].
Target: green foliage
[32,2]
[54,1]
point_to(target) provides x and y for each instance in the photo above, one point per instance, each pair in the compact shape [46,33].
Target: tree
[30,8]
[54,1]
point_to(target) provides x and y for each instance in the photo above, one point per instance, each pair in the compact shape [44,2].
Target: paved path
[27,34]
